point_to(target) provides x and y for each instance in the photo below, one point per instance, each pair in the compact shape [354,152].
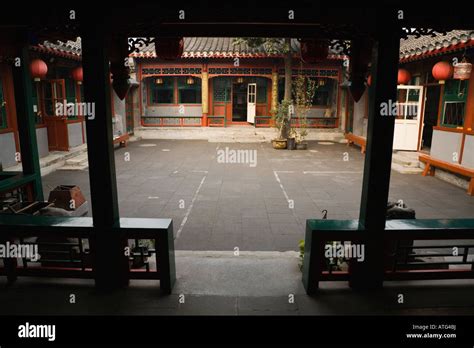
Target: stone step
[74,167]
[405,170]
[405,160]
[79,160]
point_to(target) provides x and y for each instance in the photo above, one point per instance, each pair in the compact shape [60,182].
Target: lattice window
[240,71]
[219,71]
[454,102]
[261,71]
[222,89]
[150,71]
[190,71]
[171,71]
[311,72]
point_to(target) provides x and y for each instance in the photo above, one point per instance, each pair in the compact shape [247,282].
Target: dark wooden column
[376,181]
[23,87]
[111,266]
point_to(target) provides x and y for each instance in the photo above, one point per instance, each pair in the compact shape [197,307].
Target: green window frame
[3,108]
[262,89]
[162,93]
[189,93]
[70,87]
[454,103]
[53,92]
[222,89]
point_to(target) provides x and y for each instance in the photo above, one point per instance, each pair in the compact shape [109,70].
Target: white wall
[7,149]
[446,145]
[468,154]
[359,126]
[42,141]
[75,134]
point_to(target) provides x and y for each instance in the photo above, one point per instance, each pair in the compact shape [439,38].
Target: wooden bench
[401,259]
[355,139]
[216,121]
[431,163]
[122,140]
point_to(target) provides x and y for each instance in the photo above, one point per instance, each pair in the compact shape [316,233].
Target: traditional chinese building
[56,79]
[435,103]
[216,82]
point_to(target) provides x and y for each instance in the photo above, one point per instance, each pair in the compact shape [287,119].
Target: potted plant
[281,121]
[301,144]
[292,139]
[304,89]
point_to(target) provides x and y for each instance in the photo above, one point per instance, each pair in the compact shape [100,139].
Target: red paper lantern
[442,71]
[77,74]
[38,69]
[314,51]
[403,77]
[169,47]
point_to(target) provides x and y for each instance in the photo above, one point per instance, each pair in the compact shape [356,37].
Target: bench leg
[362,149]
[470,190]
[426,170]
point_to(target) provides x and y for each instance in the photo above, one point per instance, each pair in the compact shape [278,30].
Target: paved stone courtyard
[220,206]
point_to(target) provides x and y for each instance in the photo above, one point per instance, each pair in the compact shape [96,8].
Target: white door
[251,102]
[407,122]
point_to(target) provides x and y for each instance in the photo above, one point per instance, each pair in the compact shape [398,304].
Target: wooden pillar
[23,87]
[274,91]
[110,262]
[205,94]
[368,275]
[469,121]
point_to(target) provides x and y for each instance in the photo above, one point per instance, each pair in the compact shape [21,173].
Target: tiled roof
[220,47]
[414,48]
[69,49]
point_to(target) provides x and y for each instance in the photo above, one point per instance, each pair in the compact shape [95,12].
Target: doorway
[239,102]
[407,122]
[431,115]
